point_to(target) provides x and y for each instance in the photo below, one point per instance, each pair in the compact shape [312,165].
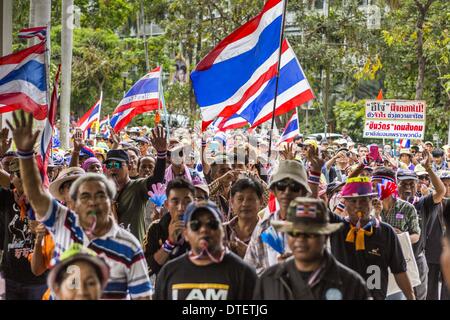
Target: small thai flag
[405,143]
[291,129]
[28,33]
[306,211]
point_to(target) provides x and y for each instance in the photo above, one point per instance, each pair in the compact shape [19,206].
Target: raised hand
[115,137]
[288,153]
[159,139]
[426,162]
[316,163]
[78,141]
[22,131]
[5,143]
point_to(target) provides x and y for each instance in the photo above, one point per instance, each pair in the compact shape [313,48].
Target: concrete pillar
[5,40]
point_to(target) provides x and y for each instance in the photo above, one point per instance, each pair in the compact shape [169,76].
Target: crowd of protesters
[184,215]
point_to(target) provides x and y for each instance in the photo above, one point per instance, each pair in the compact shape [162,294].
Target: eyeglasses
[293,186]
[297,234]
[115,165]
[195,225]
[424,178]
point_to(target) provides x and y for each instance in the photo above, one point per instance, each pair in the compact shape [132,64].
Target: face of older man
[93,205]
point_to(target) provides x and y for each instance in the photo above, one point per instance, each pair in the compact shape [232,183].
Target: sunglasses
[115,165]
[293,186]
[296,234]
[195,225]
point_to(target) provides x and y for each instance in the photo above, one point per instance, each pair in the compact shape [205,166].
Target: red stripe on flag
[236,35]
[18,57]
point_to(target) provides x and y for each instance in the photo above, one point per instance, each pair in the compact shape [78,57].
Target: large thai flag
[39,32]
[234,71]
[92,115]
[233,122]
[23,83]
[291,130]
[145,95]
[238,77]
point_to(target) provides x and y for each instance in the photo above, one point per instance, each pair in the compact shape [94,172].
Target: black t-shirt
[427,213]
[382,249]
[231,279]
[434,233]
[18,242]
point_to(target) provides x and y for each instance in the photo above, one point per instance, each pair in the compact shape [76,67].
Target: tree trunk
[420,57]
[421,60]
[66,69]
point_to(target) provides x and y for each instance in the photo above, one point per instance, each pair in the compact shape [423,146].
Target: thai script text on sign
[395,119]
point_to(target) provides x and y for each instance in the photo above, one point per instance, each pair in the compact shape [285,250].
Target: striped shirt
[120,249]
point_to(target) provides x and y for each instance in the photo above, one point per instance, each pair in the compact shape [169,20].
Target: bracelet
[25,154]
[314,177]
[168,246]
[161,155]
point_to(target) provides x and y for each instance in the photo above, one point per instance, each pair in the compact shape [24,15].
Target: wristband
[161,155]
[25,154]
[314,177]
[168,246]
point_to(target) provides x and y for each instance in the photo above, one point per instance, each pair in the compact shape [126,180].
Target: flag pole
[283,21]
[163,101]
[47,62]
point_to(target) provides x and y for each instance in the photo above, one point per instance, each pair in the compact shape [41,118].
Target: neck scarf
[359,233]
[169,176]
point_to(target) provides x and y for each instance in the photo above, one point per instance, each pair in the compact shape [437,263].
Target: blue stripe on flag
[32,72]
[290,75]
[235,72]
[143,86]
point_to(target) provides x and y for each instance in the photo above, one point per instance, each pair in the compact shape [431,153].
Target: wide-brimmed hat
[406,174]
[291,169]
[67,174]
[357,187]
[444,174]
[307,215]
[77,252]
[406,151]
[420,170]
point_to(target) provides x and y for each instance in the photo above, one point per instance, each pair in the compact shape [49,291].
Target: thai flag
[234,71]
[233,122]
[145,95]
[23,83]
[47,133]
[104,127]
[239,75]
[293,90]
[40,32]
[92,115]
[291,130]
[405,143]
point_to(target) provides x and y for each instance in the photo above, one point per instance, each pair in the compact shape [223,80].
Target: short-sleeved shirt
[17,242]
[403,217]
[382,249]
[427,211]
[132,200]
[180,279]
[120,249]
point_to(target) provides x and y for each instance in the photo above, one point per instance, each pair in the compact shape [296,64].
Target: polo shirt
[119,248]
